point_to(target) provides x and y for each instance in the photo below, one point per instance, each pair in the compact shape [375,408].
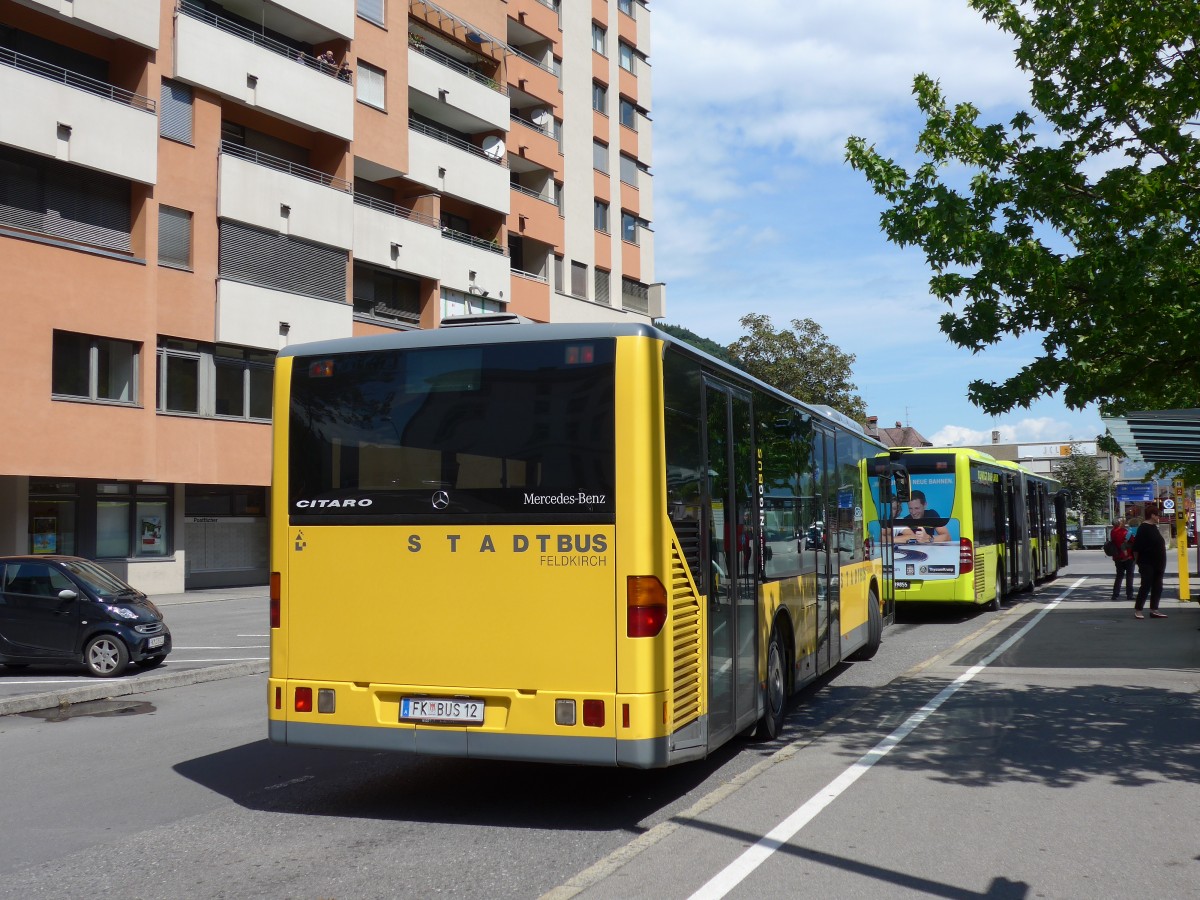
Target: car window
[35,579]
[97,578]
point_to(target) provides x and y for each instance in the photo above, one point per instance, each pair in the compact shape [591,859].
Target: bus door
[1008,531]
[1060,525]
[887,544]
[829,630]
[732,525]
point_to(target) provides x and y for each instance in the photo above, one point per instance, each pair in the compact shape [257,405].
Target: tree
[1090,487]
[712,348]
[800,361]
[1085,234]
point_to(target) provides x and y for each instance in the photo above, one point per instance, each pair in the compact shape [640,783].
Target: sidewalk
[139,681]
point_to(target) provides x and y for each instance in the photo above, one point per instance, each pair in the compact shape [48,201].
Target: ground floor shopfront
[160,537]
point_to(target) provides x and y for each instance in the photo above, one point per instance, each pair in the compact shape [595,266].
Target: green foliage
[800,361]
[712,348]
[1084,234]
[1089,485]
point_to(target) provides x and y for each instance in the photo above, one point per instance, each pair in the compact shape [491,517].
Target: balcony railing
[461,67]
[529,59]
[422,128]
[530,192]
[282,165]
[194,11]
[549,132]
[393,209]
[74,80]
[532,276]
[480,243]
[549,4]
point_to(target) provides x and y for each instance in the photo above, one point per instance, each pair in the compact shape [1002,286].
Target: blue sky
[756,211]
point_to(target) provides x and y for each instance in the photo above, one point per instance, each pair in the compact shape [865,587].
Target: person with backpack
[1122,557]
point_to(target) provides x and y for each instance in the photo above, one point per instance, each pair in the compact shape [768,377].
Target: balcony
[315,21]
[535,216]
[55,112]
[461,255]
[453,166]
[242,65]
[272,193]
[133,20]
[450,91]
[395,237]
[249,315]
[535,143]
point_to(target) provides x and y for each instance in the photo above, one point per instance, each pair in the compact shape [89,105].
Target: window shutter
[174,237]
[371,10]
[281,263]
[175,111]
[371,85]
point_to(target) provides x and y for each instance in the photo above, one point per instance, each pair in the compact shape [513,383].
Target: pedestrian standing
[1150,556]
[1122,558]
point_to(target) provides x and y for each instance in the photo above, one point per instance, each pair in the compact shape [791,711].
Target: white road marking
[251,647]
[733,874]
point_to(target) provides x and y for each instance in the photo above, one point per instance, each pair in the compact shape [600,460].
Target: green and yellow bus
[975,529]
[570,543]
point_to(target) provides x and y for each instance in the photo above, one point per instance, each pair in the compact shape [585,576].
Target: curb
[106,690]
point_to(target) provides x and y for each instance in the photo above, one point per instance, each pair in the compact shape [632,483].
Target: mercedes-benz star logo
[440,500]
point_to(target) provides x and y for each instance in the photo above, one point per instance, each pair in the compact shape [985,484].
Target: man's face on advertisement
[916,507]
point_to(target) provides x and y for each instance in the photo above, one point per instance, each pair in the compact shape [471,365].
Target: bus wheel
[874,630]
[998,600]
[771,723]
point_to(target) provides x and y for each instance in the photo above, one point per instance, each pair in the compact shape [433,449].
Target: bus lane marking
[737,871]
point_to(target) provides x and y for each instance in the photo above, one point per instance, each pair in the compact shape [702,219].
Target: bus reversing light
[275,593]
[303,699]
[966,556]
[647,605]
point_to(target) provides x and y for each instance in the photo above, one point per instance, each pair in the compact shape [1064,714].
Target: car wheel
[152,662]
[771,723]
[105,656]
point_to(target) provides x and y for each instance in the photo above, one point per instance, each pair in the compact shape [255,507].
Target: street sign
[1135,492]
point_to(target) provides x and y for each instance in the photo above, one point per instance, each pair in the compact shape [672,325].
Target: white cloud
[1032,430]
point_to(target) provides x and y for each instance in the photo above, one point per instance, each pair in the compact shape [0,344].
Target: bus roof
[513,332]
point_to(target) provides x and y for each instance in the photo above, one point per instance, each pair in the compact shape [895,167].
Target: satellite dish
[493,147]
[540,118]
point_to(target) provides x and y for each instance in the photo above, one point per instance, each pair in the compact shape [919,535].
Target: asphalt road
[1065,767]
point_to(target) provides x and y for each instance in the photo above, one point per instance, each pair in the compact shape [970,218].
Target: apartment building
[187,187]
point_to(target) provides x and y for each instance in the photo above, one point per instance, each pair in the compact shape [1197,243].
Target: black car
[62,609]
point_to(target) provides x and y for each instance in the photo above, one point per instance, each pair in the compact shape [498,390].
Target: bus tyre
[874,630]
[775,695]
[998,600]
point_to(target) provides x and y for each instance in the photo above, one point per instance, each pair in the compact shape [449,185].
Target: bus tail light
[275,593]
[647,606]
[593,713]
[966,556]
[304,699]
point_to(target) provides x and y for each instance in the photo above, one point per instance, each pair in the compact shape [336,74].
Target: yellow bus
[975,529]
[571,543]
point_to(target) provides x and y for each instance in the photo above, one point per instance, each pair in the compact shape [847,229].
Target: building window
[629,170]
[599,39]
[132,520]
[629,227]
[214,381]
[272,260]
[625,6]
[174,237]
[372,11]
[579,278]
[381,294]
[558,273]
[460,303]
[628,113]
[94,368]
[625,58]
[600,216]
[53,510]
[600,156]
[602,287]
[175,111]
[64,201]
[371,85]
[599,97]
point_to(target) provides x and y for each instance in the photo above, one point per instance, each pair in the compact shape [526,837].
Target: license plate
[902,585]
[434,709]
[156,641]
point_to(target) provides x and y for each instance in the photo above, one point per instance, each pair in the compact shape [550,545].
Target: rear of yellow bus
[447,574]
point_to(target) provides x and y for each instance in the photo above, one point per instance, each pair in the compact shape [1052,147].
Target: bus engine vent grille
[686,644]
[980,578]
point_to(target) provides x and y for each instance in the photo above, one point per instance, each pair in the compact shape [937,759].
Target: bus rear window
[483,433]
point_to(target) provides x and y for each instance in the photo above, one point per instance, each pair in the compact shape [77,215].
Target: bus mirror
[900,480]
